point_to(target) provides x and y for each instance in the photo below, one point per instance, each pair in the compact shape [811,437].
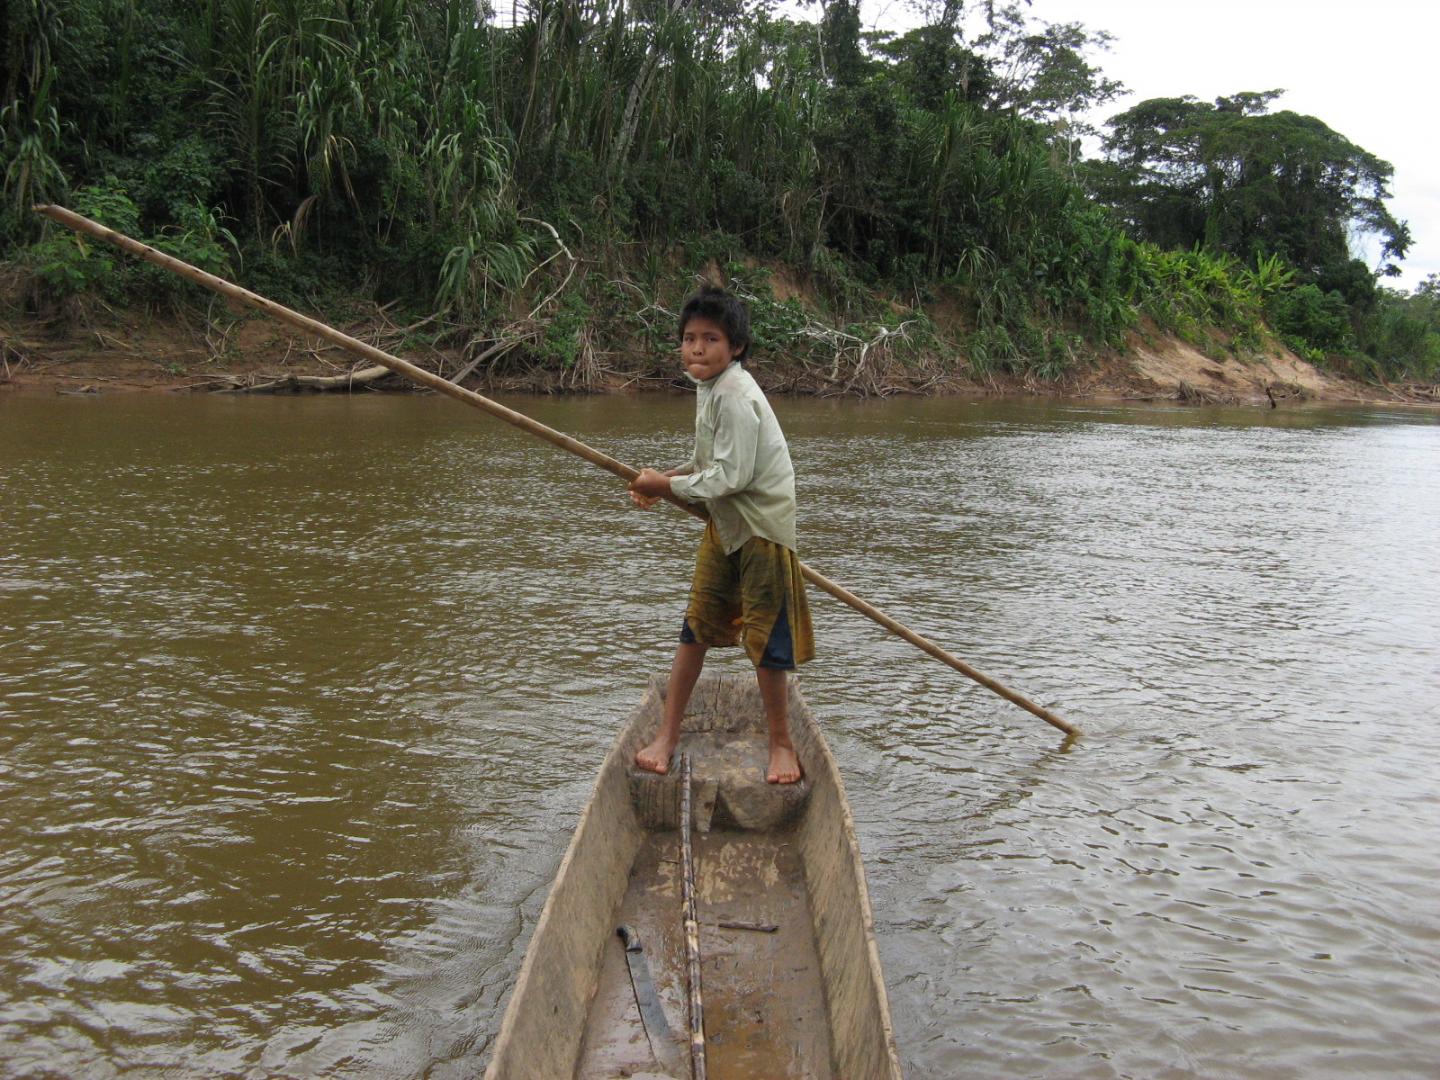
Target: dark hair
[726,311]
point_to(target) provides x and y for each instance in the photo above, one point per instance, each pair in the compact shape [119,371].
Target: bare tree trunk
[630,122]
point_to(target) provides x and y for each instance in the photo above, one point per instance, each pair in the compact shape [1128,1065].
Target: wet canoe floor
[764,1000]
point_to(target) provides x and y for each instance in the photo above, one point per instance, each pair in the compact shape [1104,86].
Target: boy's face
[705,348]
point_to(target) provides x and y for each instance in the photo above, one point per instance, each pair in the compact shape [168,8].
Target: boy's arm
[737,436]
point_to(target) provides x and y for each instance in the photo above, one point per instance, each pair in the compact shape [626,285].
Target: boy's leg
[684,671]
[707,613]
[784,765]
[766,574]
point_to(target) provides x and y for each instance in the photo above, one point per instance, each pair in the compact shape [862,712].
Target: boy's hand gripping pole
[72,220]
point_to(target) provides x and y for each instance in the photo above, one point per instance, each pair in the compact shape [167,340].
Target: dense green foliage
[580,166]
[1402,339]
[1270,189]
[1242,180]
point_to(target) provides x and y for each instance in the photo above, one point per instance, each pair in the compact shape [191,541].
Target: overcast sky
[1368,70]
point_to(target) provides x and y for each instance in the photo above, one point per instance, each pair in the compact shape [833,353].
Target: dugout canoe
[792,987]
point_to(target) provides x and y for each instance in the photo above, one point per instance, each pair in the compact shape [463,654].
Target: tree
[1041,70]
[1234,177]
[1404,332]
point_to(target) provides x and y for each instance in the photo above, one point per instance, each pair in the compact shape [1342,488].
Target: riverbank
[134,352]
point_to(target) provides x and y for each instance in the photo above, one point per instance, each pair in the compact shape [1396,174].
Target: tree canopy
[1236,178]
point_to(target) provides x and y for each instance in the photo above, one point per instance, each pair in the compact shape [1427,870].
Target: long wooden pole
[72,220]
[692,927]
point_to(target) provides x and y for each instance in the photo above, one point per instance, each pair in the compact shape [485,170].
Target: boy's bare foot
[784,765]
[656,757]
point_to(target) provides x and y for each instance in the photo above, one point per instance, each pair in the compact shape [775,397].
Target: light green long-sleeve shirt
[741,465]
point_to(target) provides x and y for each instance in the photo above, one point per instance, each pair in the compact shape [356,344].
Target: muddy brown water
[301,698]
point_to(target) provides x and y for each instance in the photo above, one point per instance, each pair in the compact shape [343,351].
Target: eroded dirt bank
[128,354]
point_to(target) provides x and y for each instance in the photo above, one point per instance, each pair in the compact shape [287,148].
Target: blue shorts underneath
[779,650]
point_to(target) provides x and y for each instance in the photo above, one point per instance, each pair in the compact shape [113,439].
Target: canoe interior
[764,1000]
[806,1000]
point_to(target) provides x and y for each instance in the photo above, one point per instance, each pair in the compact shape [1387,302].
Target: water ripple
[299,701]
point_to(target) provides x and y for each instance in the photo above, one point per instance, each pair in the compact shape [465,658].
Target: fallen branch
[574,262]
[500,348]
[348,381]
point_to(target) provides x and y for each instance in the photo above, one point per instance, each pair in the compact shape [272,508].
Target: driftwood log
[361,377]
[281,383]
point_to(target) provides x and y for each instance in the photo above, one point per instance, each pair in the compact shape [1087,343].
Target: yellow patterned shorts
[755,597]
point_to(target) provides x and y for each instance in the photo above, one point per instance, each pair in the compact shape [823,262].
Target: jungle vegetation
[562,169]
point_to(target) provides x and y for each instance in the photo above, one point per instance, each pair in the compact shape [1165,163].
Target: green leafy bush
[1309,320]
[66,264]
[1403,333]
[564,335]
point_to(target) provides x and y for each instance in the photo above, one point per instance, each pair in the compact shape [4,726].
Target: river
[300,699]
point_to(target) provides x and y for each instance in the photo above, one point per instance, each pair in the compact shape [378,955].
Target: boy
[747,586]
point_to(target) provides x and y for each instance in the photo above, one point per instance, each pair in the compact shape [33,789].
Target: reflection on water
[299,700]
